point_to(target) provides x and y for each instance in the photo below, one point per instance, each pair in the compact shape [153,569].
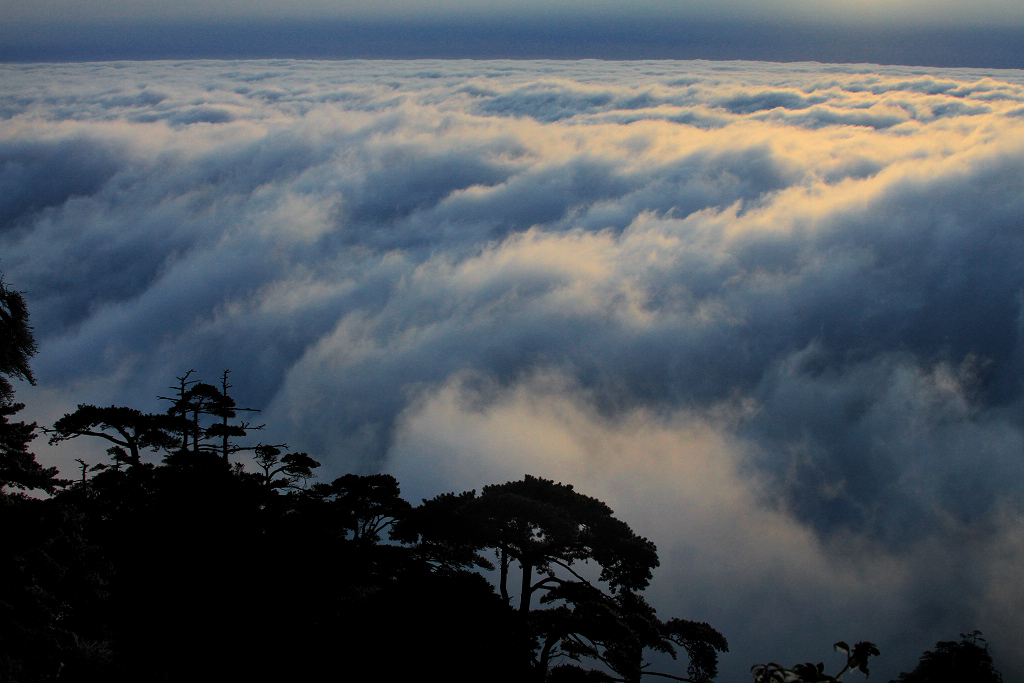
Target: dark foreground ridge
[193,555]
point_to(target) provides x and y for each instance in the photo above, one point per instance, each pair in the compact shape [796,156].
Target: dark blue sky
[545,37]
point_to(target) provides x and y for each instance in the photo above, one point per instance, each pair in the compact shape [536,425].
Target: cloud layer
[772,314]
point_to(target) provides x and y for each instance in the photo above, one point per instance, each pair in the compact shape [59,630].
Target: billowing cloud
[772,314]
[733,550]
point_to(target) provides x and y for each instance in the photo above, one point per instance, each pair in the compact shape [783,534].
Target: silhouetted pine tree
[18,466]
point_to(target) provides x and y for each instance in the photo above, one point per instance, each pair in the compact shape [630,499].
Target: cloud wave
[772,313]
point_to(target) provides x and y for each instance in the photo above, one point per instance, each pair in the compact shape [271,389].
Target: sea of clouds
[772,314]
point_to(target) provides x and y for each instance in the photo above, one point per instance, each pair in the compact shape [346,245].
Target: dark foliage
[43,559]
[18,466]
[964,661]
[547,532]
[17,345]
[131,431]
[856,660]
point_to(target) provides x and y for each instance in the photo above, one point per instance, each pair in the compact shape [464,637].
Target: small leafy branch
[856,660]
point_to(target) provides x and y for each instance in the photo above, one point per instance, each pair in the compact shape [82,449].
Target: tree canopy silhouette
[19,468]
[17,344]
[549,532]
[204,413]
[857,658]
[130,430]
[44,561]
[956,661]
